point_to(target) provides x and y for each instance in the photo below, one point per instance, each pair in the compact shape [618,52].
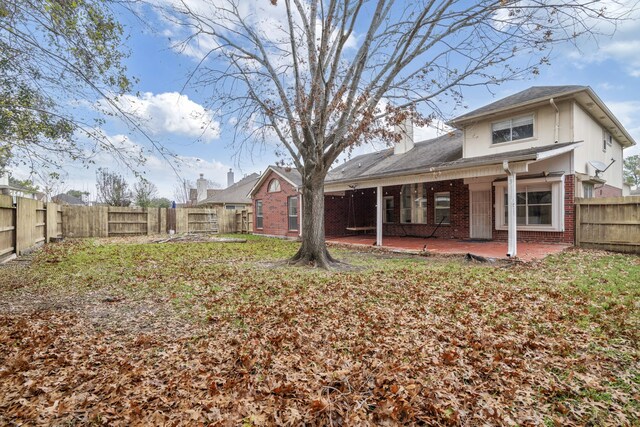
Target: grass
[395,339]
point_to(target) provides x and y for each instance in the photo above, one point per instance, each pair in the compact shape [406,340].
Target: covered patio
[487,249]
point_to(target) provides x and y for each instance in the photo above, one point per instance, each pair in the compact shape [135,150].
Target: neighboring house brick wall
[566,237]
[607,191]
[274,208]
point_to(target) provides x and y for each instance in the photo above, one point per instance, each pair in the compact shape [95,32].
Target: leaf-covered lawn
[93,332]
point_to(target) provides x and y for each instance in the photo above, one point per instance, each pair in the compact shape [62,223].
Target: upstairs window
[607,140]
[512,129]
[274,186]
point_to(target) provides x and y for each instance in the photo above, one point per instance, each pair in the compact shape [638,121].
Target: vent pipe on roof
[201,188]
[405,129]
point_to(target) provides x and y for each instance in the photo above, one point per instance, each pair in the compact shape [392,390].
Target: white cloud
[173,113]
[156,169]
[622,47]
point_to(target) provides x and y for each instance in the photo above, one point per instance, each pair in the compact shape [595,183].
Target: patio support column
[379,216]
[512,216]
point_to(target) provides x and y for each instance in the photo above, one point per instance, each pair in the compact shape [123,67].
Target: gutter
[557,125]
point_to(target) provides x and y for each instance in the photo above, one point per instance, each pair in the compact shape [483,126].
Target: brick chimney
[405,129]
[230,181]
[201,186]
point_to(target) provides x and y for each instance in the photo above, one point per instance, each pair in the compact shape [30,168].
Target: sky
[174,113]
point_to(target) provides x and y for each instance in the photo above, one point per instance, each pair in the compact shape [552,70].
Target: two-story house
[509,171]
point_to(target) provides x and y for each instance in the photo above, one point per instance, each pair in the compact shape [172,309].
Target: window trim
[421,192]
[586,184]
[259,215]
[607,140]
[436,208]
[274,181]
[289,216]
[511,119]
[556,184]
[385,218]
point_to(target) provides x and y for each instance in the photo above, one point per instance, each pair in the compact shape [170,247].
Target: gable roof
[438,154]
[528,96]
[236,193]
[583,95]
[291,175]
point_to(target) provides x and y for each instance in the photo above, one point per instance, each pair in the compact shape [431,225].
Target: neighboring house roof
[584,95]
[67,199]
[438,154]
[291,175]
[193,193]
[635,192]
[236,193]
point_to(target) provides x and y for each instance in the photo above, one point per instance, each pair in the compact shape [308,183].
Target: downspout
[512,237]
[557,126]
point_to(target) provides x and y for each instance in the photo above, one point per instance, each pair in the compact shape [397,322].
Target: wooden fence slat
[611,223]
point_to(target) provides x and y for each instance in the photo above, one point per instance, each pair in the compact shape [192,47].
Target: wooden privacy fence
[611,223]
[26,223]
[105,221]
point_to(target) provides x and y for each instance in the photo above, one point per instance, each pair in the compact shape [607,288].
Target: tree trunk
[313,251]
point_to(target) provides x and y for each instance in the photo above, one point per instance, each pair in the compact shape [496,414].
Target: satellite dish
[598,165]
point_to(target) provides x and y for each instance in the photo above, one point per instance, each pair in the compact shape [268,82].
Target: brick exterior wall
[340,213]
[274,208]
[548,236]
[607,191]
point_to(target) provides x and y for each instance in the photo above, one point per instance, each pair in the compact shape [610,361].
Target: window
[230,207]
[512,129]
[274,186]
[293,213]
[259,217]
[587,190]
[539,204]
[607,139]
[388,209]
[533,207]
[442,207]
[413,204]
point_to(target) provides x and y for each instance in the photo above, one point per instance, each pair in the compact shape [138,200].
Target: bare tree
[112,188]
[321,76]
[181,191]
[144,193]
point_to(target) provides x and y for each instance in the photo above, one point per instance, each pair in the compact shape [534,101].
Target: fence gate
[202,221]
[127,221]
